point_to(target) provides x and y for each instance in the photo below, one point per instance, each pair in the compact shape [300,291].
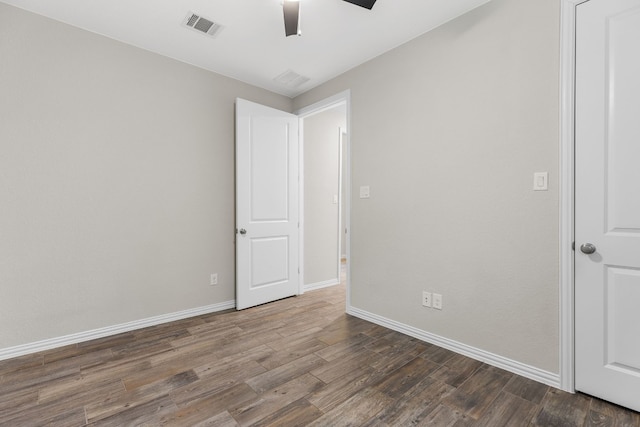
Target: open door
[266,204]
[607,218]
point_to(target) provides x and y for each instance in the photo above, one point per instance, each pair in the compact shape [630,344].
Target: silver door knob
[587,248]
[243,231]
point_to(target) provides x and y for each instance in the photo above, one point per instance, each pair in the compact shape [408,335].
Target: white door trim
[567,186]
[342,132]
[300,205]
[326,104]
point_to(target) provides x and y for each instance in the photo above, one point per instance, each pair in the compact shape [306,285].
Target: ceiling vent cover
[291,79]
[201,25]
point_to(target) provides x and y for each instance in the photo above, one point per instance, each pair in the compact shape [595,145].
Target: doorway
[270,221]
[324,201]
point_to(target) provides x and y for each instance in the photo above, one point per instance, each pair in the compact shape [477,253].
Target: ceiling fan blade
[291,17]
[367,4]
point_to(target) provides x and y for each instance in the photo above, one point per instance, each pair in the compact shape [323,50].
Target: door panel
[269,169]
[622,319]
[266,204]
[607,282]
[623,78]
[276,249]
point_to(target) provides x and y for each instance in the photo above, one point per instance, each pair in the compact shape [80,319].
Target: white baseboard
[320,285]
[21,350]
[510,365]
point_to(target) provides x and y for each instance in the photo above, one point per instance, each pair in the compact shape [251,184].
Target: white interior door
[266,204]
[607,281]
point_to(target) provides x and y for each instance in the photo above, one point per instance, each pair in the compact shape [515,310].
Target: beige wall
[116,181]
[448,130]
[321,176]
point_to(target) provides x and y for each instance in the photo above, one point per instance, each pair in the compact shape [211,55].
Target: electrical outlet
[214,279]
[437,301]
[426,298]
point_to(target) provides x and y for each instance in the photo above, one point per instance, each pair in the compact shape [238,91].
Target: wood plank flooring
[295,362]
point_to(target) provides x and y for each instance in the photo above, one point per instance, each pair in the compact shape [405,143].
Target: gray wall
[116,181]
[448,130]
[321,173]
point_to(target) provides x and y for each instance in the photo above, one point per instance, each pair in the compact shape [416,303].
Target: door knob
[243,231]
[587,248]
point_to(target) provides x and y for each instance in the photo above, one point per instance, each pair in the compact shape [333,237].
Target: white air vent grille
[291,79]
[201,25]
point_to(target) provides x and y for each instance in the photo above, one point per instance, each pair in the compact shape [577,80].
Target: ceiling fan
[291,10]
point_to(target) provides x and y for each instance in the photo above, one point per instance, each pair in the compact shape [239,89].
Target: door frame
[342,144]
[567,191]
[343,97]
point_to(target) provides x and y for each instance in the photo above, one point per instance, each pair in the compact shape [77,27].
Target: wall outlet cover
[437,301]
[426,299]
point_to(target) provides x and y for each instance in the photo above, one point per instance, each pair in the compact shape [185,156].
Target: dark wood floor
[299,361]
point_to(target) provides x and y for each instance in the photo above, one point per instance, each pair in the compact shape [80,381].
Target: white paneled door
[266,204]
[607,234]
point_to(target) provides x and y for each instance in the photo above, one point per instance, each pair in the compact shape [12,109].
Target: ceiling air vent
[201,25]
[291,79]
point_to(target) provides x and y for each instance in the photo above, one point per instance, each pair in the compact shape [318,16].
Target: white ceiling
[252,47]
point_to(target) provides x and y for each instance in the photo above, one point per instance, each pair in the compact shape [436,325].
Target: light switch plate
[364,192]
[541,181]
